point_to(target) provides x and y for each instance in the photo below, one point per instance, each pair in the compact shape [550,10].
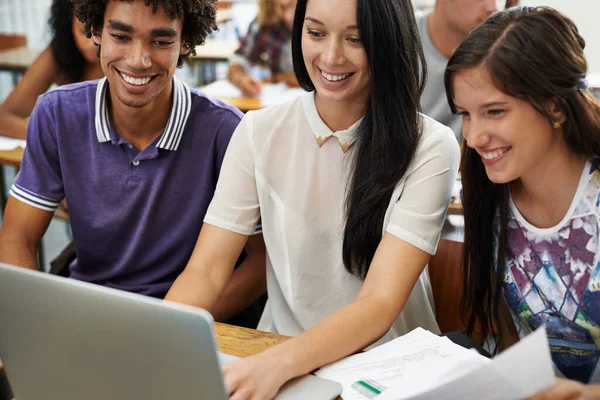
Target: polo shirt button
[136,163]
[130,146]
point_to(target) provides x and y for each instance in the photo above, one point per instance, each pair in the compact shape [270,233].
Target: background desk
[244,104]
[16,61]
[211,52]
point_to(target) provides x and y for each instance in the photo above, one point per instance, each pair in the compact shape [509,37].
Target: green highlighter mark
[368,387]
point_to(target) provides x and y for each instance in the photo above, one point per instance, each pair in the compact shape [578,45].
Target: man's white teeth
[493,154]
[335,78]
[134,81]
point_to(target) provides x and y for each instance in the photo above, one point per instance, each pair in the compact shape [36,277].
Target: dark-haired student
[137,154]
[70,57]
[531,188]
[352,184]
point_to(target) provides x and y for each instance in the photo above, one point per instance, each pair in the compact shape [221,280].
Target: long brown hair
[267,14]
[534,54]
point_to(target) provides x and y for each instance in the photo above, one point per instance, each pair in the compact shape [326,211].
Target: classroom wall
[585,14]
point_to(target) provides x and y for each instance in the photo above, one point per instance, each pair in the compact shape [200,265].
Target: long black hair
[534,54]
[69,59]
[199,18]
[389,133]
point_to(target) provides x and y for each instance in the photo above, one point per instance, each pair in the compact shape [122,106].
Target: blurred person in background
[441,30]
[71,57]
[265,53]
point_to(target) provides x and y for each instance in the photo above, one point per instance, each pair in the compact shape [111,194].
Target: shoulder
[435,135]
[71,98]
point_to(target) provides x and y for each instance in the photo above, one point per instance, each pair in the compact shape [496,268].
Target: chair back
[446,282]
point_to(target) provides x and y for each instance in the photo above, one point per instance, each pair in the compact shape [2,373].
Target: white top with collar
[275,170]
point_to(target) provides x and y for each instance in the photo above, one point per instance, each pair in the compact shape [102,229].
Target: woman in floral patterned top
[531,188]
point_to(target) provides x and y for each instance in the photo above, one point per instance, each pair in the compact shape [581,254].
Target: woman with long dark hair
[351,183]
[70,57]
[530,186]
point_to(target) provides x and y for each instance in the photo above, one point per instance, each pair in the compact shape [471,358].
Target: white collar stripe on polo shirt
[101,118]
[180,111]
[179,115]
[167,142]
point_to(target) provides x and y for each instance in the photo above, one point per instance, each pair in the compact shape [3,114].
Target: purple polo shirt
[135,216]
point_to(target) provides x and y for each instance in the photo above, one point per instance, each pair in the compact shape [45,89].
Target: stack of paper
[421,365]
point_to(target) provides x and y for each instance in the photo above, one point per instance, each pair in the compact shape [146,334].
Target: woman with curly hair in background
[70,57]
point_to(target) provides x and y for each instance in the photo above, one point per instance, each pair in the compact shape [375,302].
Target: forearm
[289,78]
[194,288]
[17,251]
[248,282]
[236,73]
[592,392]
[13,125]
[342,333]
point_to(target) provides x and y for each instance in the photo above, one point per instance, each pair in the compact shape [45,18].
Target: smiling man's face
[139,51]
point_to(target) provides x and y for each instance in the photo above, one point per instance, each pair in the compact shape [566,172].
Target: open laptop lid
[62,339]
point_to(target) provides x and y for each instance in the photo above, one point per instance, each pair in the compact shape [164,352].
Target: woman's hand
[249,86]
[257,377]
[566,389]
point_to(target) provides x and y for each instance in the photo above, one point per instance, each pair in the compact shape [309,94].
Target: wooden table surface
[11,157]
[244,104]
[18,59]
[244,342]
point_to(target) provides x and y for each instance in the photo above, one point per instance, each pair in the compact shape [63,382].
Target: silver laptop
[62,339]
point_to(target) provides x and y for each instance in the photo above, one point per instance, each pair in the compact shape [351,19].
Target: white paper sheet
[421,365]
[7,143]
[395,362]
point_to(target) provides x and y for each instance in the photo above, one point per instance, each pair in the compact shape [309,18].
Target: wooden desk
[215,50]
[19,59]
[455,209]
[244,342]
[244,104]
[11,157]
[224,15]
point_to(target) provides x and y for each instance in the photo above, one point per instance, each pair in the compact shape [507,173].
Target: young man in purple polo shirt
[136,154]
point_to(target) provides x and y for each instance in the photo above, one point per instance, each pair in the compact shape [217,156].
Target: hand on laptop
[257,377]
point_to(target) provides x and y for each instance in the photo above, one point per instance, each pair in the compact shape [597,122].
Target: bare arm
[248,282]
[249,86]
[392,275]
[209,269]
[21,232]
[288,77]
[15,111]
[566,389]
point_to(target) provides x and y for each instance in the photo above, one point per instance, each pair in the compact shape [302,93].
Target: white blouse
[274,169]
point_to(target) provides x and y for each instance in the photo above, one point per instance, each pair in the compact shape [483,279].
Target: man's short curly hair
[198,16]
